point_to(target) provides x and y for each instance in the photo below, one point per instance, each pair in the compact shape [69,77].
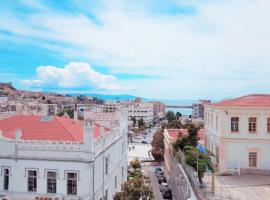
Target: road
[149,171]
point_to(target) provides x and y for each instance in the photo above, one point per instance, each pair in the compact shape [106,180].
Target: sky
[163,49]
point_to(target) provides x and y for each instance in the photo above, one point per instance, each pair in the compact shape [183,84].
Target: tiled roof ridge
[57,118]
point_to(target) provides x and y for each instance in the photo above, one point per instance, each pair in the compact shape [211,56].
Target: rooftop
[51,128]
[252,100]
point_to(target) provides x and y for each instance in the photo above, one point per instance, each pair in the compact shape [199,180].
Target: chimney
[88,134]
[75,117]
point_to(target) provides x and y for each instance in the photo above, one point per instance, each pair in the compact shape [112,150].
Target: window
[268,125]
[115,181]
[32,181]
[106,165]
[234,124]
[6,179]
[72,183]
[252,157]
[252,124]
[51,182]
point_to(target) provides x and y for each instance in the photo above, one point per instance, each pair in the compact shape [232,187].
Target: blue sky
[166,49]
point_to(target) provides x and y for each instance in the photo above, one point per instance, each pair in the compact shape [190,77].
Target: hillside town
[56,146]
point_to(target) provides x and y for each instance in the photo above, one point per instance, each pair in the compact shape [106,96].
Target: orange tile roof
[174,133]
[45,128]
[252,100]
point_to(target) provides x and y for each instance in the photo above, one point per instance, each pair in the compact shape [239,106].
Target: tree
[158,145]
[175,124]
[141,123]
[135,189]
[49,101]
[133,119]
[70,112]
[135,164]
[204,161]
[170,116]
[178,115]
[193,135]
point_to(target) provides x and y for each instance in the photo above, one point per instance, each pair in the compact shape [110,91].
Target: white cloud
[75,75]
[225,38]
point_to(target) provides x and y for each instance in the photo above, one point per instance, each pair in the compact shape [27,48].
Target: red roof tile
[253,100]
[45,128]
[174,133]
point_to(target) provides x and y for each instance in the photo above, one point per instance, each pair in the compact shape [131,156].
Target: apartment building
[141,110]
[198,109]
[61,158]
[238,133]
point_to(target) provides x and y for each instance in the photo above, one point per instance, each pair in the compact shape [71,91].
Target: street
[148,170]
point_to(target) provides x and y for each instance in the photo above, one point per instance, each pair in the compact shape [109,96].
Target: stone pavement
[245,187]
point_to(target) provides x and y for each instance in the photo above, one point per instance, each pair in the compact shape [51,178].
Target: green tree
[141,123]
[170,116]
[133,119]
[135,189]
[135,164]
[204,161]
[175,124]
[178,115]
[49,101]
[70,112]
[158,145]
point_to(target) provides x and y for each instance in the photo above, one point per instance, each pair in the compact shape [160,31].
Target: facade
[61,158]
[198,109]
[159,110]
[141,110]
[28,108]
[238,133]
[174,172]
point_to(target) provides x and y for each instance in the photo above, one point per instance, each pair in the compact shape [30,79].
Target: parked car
[157,170]
[163,187]
[144,142]
[167,193]
[159,174]
[162,179]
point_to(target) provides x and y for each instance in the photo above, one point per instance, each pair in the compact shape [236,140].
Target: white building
[141,110]
[238,133]
[3,99]
[59,158]
[198,109]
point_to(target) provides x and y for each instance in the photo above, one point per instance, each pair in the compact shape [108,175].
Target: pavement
[149,171]
[244,187]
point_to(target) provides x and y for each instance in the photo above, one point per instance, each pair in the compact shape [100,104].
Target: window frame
[235,124]
[6,179]
[252,125]
[268,124]
[32,179]
[53,181]
[253,160]
[72,182]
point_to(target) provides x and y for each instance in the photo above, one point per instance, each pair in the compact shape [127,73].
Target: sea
[183,111]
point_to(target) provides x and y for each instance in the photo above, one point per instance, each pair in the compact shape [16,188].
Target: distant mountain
[108,97]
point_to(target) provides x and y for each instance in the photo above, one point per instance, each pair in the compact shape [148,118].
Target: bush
[135,164]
